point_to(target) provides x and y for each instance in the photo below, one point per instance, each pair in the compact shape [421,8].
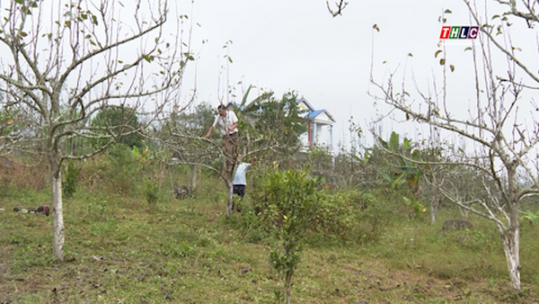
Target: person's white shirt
[226,121]
[239,178]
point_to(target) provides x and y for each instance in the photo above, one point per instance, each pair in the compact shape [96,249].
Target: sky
[297,45]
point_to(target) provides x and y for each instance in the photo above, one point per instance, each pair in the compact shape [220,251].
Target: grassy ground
[118,250]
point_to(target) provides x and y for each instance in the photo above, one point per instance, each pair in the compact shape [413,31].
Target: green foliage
[291,198]
[339,217]
[401,168]
[320,160]
[471,239]
[144,158]
[416,206]
[269,122]
[117,121]
[10,121]
[352,216]
[252,225]
[378,213]
[195,121]
[152,190]
[69,184]
[124,169]
[97,209]
[359,217]
[530,216]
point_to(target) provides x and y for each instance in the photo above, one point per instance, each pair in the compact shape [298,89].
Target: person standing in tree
[228,125]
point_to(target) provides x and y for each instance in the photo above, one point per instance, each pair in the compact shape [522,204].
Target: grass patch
[119,250]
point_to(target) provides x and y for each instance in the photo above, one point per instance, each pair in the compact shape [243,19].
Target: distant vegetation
[367,236]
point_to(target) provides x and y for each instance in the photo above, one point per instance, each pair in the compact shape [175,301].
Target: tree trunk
[434,204]
[510,240]
[194,178]
[511,246]
[511,237]
[57,211]
[229,181]
[230,198]
[288,286]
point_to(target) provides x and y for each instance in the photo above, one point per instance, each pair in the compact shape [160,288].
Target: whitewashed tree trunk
[194,178]
[229,181]
[434,204]
[230,197]
[57,211]
[511,245]
[511,237]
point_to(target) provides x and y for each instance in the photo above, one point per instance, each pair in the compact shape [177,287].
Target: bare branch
[339,7]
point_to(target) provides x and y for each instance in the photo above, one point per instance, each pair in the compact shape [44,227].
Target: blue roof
[313,114]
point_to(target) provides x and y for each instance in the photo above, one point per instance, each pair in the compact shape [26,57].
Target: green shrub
[377,214]
[152,191]
[69,185]
[291,199]
[252,226]
[473,240]
[96,208]
[124,169]
[342,216]
[337,215]
[352,216]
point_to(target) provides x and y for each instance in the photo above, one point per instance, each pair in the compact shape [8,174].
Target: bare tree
[504,136]
[63,62]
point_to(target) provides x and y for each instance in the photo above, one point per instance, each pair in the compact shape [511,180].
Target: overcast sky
[283,45]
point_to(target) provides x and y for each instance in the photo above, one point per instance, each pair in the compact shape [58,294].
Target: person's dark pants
[238,190]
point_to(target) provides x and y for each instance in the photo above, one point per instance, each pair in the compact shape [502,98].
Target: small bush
[376,216]
[292,200]
[96,208]
[124,168]
[253,227]
[152,191]
[69,185]
[342,216]
[473,240]
[352,216]
[337,215]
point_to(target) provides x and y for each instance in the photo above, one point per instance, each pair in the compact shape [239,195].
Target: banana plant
[406,171]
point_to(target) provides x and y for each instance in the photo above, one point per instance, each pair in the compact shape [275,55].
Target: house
[320,126]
